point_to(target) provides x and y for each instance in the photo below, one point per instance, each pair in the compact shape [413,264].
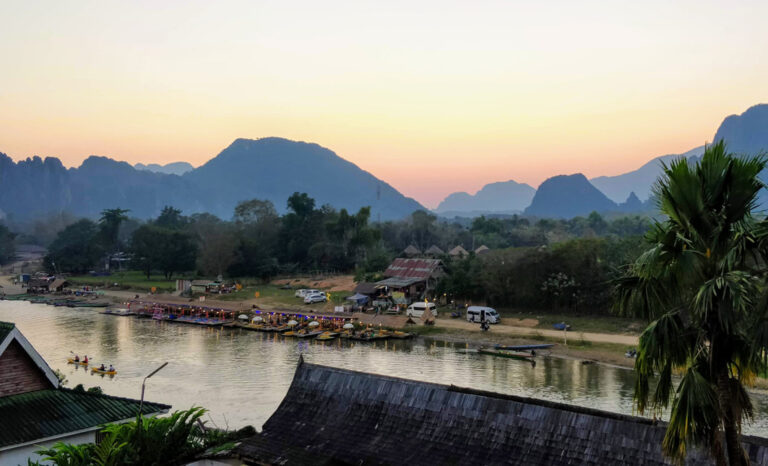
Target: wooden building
[413,278]
[338,416]
[36,412]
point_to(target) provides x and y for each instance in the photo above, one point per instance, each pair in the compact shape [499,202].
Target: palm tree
[110,226]
[699,284]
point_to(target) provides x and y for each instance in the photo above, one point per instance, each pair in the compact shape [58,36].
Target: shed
[458,251]
[58,284]
[434,251]
[482,250]
[38,285]
[339,416]
[366,288]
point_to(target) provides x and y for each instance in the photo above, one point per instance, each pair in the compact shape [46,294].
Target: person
[102,368]
[77,358]
[111,369]
[85,360]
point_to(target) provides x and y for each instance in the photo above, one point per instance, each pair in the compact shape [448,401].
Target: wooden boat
[326,336]
[104,372]
[78,363]
[400,335]
[118,311]
[290,333]
[310,334]
[506,354]
[87,304]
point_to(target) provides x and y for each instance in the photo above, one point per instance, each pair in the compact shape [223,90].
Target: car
[418,308]
[483,314]
[315,298]
[300,293]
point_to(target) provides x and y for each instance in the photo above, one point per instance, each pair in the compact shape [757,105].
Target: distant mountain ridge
[270,168]
[173,168]
[503,197]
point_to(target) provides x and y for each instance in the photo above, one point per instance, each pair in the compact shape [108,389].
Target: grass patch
[128,280]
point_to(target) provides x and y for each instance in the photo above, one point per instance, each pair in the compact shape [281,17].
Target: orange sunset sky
[431,96]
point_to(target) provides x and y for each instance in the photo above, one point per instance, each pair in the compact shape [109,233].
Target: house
[338,416]
[434,251]
[35,411]
[411,251]
[410,279]
[38,285]
[459,252]
[482,250]
[200,286]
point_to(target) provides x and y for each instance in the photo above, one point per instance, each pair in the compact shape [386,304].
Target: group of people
[102,368]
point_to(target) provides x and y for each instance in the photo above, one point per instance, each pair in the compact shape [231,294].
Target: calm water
[241,376]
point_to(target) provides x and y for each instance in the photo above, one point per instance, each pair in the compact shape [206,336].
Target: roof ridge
[104,395]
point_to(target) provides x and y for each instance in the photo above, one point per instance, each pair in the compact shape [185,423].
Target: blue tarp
[358,298]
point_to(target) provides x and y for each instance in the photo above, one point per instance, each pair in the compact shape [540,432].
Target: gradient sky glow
[431,96]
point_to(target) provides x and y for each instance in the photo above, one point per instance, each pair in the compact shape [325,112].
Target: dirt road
[629,340]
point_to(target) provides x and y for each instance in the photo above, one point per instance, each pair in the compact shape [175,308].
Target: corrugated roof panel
[45,413]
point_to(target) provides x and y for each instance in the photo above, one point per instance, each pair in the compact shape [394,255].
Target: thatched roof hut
[434,251]
[412,251]
[458,251]
[338,416]
[482,250]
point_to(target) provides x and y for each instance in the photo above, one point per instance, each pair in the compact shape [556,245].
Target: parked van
[417,309]
[480,313]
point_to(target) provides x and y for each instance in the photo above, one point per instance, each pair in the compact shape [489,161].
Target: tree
[171,218]
[7,247]
[699,283]
[109,225]
[75,249]
[156,248]
[216,243]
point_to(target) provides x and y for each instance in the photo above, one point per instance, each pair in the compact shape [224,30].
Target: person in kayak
[85,359]
[111,369]
[102,368]
[77,358]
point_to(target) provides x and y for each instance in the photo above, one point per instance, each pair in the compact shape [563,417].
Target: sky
[431,96]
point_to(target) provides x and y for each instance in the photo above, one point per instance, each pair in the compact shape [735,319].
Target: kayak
[99,371]
[325,336]
[72,361]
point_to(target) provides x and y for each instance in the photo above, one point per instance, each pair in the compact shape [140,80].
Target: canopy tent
[358,298]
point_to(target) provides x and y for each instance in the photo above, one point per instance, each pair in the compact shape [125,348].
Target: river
[241,376]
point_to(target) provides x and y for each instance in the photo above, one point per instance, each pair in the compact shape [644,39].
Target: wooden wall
[18,373]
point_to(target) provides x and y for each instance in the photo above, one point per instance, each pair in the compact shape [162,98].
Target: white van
[417,309]
[480,313]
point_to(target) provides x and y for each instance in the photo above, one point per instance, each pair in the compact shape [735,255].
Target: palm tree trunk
[736,456]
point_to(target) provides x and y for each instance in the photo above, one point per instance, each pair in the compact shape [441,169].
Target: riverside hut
[482,250]
[338,416]
[434,251]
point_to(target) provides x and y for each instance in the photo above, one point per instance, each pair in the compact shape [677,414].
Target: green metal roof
[46,413]
[5,329]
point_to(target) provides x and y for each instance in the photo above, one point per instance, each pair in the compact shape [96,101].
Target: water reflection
[241,376]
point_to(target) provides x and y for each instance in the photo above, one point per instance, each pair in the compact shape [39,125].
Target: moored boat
[326,336]
[506,353]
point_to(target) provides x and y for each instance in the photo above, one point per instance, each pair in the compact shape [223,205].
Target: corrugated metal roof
[45,413]
[418,268]
[398,282]
[337,416]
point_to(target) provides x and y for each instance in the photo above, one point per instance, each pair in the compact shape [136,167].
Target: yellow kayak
[81,363]
[327,336]
[290,333]
[99,371]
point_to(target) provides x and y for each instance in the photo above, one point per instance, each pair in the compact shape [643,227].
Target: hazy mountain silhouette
[567,196]
[503,197]
[173,168]
[269,168]
[639,181]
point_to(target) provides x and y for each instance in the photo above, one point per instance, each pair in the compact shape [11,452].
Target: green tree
[163,249]
[171,219]
[109,226]
[76,249]
[699,283]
